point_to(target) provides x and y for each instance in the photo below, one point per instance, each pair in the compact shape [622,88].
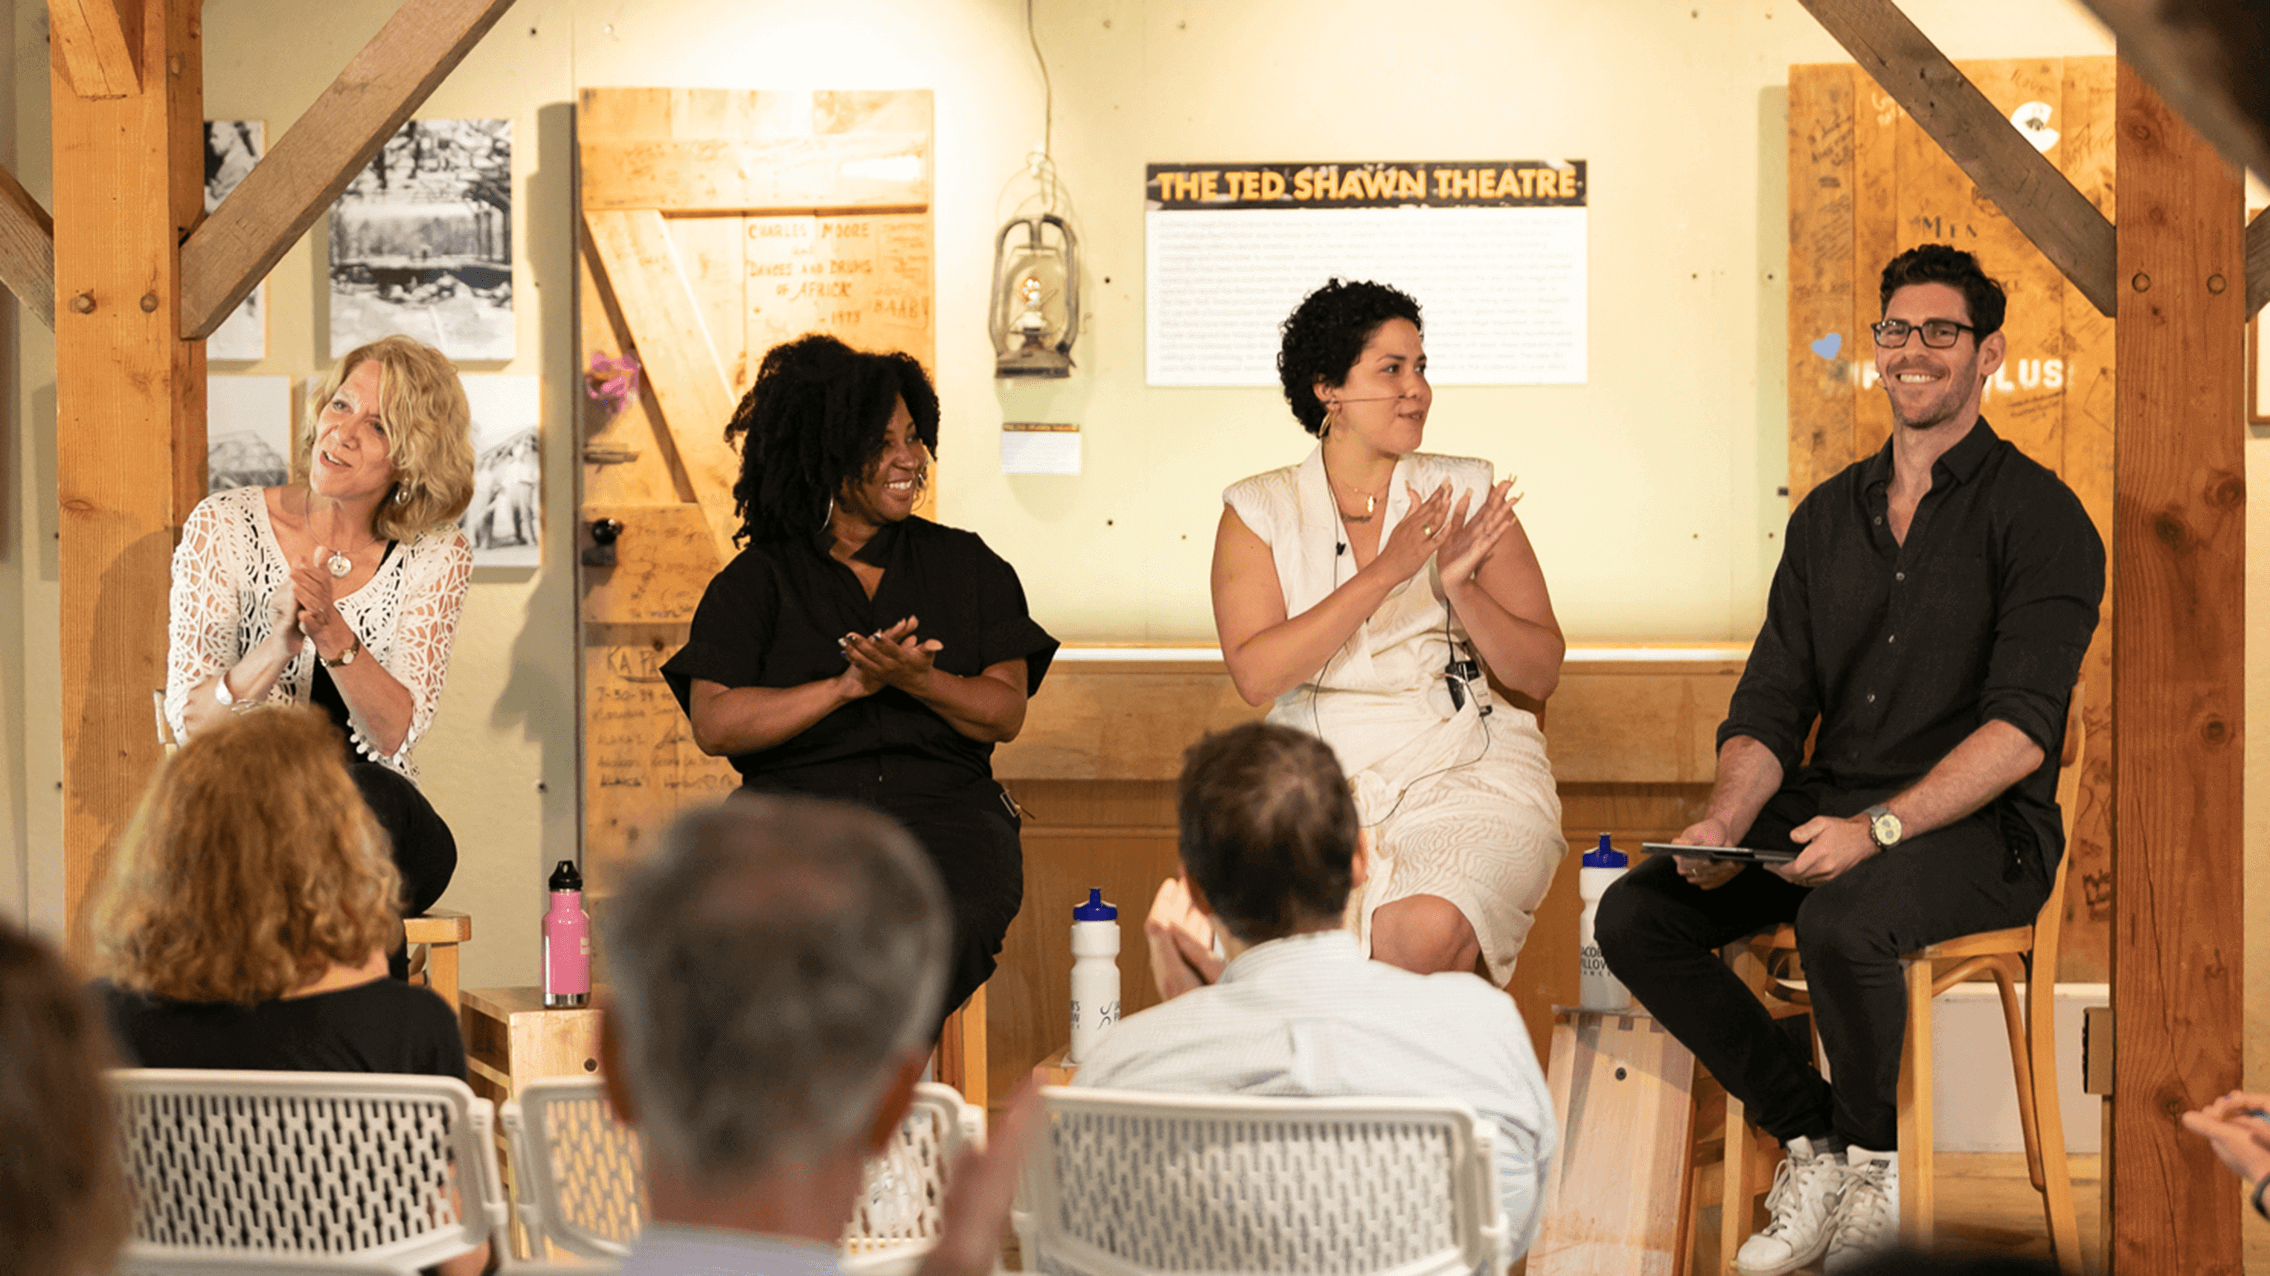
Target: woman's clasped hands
[1458,538]
[310,591]
[895,657]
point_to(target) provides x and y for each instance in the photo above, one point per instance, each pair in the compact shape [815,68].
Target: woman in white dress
[343,588]
[1358,590]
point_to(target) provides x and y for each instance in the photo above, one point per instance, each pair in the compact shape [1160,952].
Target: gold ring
[1428,530]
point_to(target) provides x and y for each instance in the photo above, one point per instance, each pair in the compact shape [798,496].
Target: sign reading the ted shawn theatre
[1494,250]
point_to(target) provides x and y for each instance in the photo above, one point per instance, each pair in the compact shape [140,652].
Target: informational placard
[1040,447]
[1494,251]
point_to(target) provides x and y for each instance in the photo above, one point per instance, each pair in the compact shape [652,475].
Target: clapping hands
[2233,1125]
[1181,941]
[894,657]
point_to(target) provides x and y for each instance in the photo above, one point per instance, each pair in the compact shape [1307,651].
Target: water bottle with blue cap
[1095,974]
[1596,988]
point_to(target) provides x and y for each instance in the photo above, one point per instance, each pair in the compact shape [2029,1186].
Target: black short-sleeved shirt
[1902,651]
[382,1026]
[772,617]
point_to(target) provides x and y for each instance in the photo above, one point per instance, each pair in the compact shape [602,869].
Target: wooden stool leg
[2021,1069]
[2049,1134]
[1737,1185]
[441,971]
[1915,1126]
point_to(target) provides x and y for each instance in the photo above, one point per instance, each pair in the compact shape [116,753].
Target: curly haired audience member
[62,1193]
[247,918]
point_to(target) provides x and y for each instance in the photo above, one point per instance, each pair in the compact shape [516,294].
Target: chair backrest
[906,1185]
[582,1178]
[578,1172]
[311,1170]
[1127,1184]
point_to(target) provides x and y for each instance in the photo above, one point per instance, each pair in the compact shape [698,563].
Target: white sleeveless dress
[1460,804]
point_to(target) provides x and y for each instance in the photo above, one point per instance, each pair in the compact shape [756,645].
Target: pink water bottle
[567,941]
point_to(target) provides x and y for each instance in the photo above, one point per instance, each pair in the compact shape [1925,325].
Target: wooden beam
[2021,181]
[2204,59]
[27,249]
[295,183]
[95,41]
[2178,687]
[129,415]
[674,348]
[2258,262]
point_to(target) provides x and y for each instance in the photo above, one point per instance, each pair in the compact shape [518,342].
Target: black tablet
[1743,854]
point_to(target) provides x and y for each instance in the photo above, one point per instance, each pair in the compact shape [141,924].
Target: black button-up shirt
[772,617]
[1902,651]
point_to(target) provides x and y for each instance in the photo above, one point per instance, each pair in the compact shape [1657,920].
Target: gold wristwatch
[355,646]
[1883,826]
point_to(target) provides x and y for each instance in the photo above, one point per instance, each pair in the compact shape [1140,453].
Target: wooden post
[130,410]
[2178,681]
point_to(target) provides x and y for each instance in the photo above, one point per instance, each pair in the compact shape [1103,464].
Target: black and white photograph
[232,147]
[248,432]
[506,519]
[421,242]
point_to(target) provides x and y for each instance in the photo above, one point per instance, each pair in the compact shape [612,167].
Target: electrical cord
[1461,675]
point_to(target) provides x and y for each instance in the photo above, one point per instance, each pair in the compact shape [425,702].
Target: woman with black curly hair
[853,650]
[1368,591]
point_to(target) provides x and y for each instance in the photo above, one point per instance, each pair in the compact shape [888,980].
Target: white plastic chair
[1128,1184]
[581,1179]
[304,1171]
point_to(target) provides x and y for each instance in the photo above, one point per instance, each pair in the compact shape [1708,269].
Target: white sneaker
[1868,1219]
[1803,1203]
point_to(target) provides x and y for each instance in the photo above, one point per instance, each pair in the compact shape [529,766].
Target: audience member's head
[251,869]
[1269,833]
[776,966]
[62,1193]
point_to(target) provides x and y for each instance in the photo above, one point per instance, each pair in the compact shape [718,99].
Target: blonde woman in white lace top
[1374,592]
[342,588]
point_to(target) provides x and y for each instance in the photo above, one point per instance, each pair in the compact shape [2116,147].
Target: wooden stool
[1615,1200]
[959,1060]
[433,940]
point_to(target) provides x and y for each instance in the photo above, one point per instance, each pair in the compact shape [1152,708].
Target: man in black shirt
[1931,611]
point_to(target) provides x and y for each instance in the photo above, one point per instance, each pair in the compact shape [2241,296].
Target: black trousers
[1659,934]
[967,827]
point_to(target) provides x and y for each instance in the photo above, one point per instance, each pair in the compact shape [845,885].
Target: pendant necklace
[339,564]
[1371,502]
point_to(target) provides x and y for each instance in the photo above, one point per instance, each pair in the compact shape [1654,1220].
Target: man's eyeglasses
[1938,334]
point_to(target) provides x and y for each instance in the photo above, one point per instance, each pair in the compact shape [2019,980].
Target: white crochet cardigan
[229,565]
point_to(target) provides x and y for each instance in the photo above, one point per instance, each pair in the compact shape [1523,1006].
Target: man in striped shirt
[1270,851]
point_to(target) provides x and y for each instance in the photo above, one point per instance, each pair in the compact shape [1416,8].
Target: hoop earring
[828,518]
[1331,418]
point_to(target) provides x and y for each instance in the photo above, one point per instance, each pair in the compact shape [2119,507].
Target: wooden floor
[1986,1203]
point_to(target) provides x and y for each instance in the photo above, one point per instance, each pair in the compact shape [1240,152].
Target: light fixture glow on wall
[1036,297]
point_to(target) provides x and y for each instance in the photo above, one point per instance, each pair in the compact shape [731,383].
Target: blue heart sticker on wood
[1828,346]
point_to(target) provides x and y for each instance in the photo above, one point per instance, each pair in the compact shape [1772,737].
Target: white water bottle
[1596,989]
[1095,974]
